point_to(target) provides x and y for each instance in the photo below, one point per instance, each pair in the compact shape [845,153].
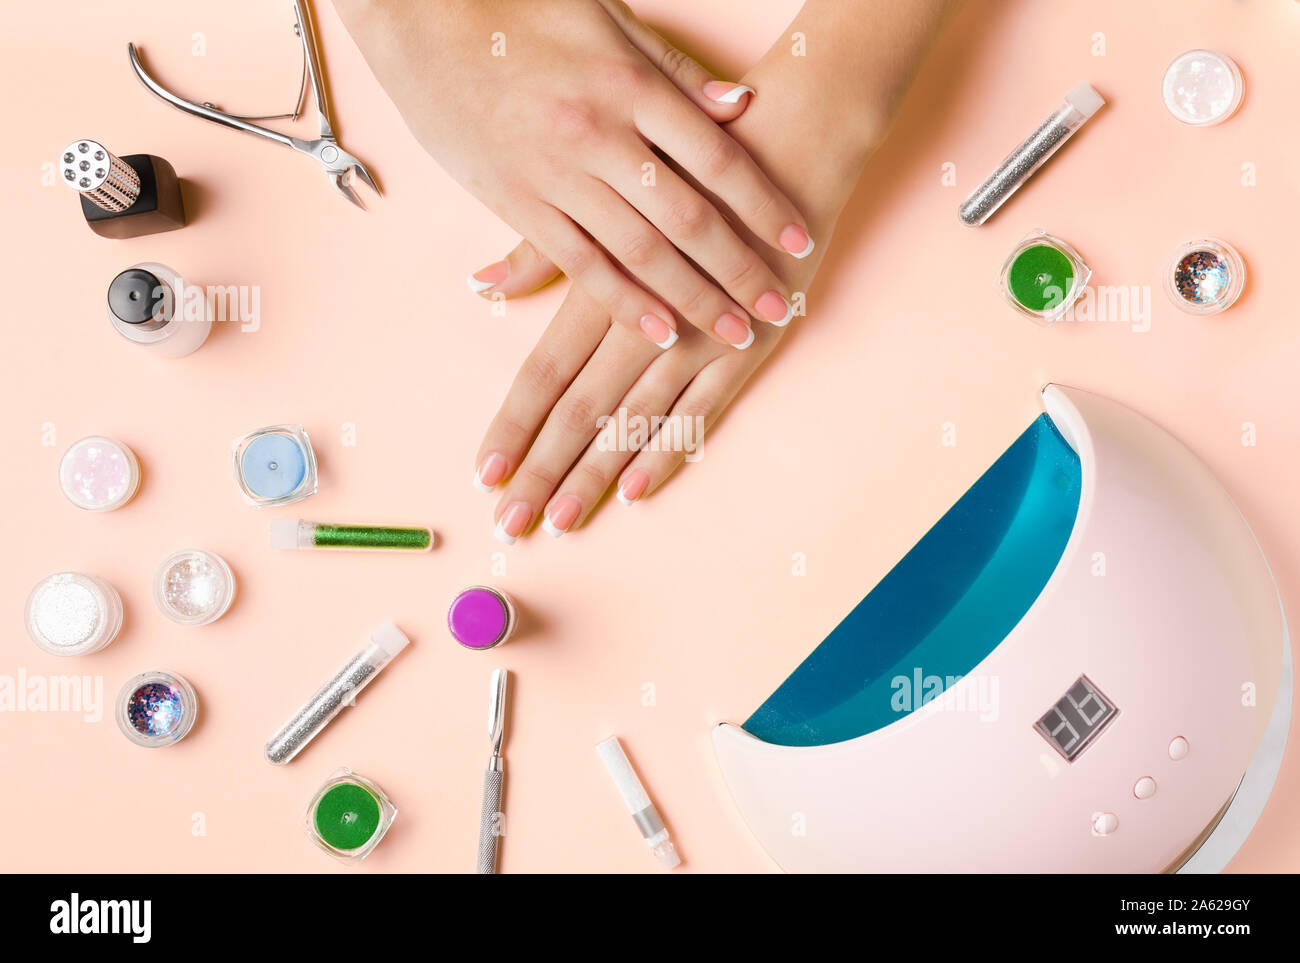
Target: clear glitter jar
[275,466]
[193,587]
[156,709]
[73,614]
[1203,88]
[349,815]
[1043,277]
[99,474]
[1205,276]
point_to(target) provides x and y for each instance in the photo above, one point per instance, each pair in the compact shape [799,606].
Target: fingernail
[734,331]
[796,240]
[658,330]
[561,515]
[632,486]
[774,308]
[722,92]
[513,522]
[490,471]
[489,277]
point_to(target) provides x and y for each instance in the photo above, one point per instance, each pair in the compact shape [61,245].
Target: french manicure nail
[513,522]
[796,240]
[490,471]
[722,92]
[658,330]
[489,277]
[772,307]
[561,515]
[632,486]
[734,331]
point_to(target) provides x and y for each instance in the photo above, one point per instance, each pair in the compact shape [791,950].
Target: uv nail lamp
[1083,667]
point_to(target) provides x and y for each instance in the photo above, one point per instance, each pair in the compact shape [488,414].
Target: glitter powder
[1202,87]
[323,707]
[349,815]
[194,587]
[73,614]
[1080,104]
[1202,276]
[99,474]
[287,533]
[1040,277]
[156,709]
[1205,277]
[1043,277]
[372,536]
[341,691]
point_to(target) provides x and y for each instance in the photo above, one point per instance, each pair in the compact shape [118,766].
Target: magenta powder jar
[481,617]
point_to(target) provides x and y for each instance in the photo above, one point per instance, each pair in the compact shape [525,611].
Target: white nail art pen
[1080,104]
[643,812]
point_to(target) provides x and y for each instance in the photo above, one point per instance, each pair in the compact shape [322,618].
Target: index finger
[710,155]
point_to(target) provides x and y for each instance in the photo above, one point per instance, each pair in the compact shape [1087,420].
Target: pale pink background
[834,452]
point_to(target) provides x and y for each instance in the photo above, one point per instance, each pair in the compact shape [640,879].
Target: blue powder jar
[275,466]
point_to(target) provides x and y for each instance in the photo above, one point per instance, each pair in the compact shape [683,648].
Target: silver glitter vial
[337,694]
[99,175]
[1080,104]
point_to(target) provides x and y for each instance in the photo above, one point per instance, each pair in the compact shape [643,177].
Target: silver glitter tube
[1080,104]
[338,693]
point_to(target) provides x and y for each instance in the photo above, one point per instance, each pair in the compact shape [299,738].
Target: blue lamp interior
[944,607]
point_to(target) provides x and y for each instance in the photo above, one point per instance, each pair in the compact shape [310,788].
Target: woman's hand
[545,444]
[552,113]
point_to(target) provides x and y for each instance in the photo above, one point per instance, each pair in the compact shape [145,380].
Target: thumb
[523,271]
[720,99]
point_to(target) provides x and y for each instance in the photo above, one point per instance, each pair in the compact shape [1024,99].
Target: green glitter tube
[298,533]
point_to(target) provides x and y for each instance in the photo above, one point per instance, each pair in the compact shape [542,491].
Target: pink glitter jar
[99,474]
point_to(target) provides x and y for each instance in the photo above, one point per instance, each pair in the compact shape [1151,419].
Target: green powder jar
[1043,277]
[349,815]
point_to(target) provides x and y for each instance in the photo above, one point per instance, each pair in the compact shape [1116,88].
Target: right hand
[555,115]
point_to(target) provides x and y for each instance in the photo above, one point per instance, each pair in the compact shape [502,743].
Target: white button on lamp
[1144,788]
[1178,748]
[1103,824]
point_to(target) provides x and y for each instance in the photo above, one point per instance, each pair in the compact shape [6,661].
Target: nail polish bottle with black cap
[150,305]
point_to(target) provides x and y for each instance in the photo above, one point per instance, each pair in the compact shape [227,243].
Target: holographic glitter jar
[193,587]
[1205,276]
[349,815]
[1203,87]
[156,709]
[99,474]
[1043,277]
[73,614]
